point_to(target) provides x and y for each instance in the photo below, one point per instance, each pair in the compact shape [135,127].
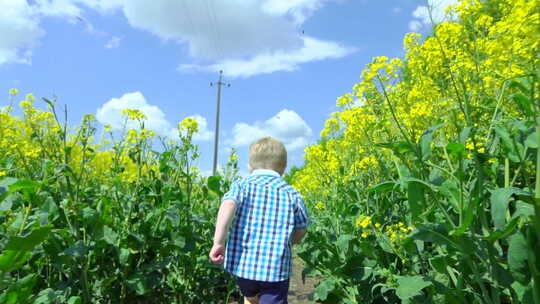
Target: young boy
[267,217]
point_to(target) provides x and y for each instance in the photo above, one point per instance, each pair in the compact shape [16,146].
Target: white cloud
[422,16]
[104,6]
[286,126]
[243,37]
[113,43]
[19,31]
[312,50]
[299,9]
[57,8]
[415,25]
[216,28]
[110,113]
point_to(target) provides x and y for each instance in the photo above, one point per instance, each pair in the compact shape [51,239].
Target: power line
[216,26]
[213,25]
[188,17]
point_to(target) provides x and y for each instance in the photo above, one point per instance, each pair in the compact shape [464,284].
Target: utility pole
[216,137]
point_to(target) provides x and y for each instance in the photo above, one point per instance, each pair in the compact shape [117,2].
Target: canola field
[423,188]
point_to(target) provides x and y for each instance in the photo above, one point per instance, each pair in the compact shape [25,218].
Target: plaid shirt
[267,212]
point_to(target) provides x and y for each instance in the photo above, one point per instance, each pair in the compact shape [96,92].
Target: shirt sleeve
[234,193]
[301,217]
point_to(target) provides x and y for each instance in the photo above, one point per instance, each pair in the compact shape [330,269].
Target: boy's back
[265,215]
[267,212]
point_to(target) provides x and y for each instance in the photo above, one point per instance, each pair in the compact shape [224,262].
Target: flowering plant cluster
[425,184]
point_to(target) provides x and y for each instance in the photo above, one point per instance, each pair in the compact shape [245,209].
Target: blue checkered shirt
[267,212]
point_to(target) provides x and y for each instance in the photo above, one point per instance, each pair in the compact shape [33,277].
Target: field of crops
[424,186]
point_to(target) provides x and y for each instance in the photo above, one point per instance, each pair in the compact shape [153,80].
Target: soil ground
[300,292]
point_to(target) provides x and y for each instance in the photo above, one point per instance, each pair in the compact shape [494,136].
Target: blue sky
[286,60]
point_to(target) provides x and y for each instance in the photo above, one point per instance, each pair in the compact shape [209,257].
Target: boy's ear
[249,168]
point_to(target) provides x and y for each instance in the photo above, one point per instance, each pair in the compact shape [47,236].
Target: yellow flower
[25,104]
[365,234]
[133,114]
[30,97]
[107,128]
[481,150]
[189,125]
[363,221]
[13,92]
[377,225]
[2,173]
[492,160]
[32,153]
[319,205]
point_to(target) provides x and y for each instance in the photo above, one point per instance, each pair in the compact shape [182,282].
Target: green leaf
[324,289]
[532,140]
[214,184]
[21,291]
[11,260]
[456,149]
[469,211]
[524,102]
[403,147]
[426,140]
[137,284]
[75,300]
[25,186]
[415,196]
[508,144]
[46,296]
[385,186]
[48,101]
[29,242]
[496,235]
[109,235]
[123,257]
[6,204]
[434,234]
[499,205]
[409,287]
[517,258]
[524,210]
[78,250]
[451,191]
[439,264]
[523,292]
[343,242]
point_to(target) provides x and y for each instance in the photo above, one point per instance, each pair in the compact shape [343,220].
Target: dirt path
[299,293]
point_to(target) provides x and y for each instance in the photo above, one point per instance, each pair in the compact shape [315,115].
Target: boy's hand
[216,254]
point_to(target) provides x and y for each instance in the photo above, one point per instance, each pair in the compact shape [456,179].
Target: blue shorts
[269,292]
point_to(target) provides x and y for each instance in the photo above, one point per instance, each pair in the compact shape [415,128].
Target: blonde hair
[268,153]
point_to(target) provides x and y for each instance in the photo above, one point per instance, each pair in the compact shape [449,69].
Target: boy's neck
[265,172]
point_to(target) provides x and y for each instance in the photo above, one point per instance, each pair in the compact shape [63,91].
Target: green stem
[536,223]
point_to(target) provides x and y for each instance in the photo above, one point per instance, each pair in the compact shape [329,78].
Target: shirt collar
[265,172]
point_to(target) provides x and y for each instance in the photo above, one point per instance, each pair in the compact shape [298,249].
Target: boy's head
[268,153]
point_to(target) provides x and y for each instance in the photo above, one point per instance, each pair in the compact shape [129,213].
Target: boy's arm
[298,235]
[224,219]
[301,221]
[225,216]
